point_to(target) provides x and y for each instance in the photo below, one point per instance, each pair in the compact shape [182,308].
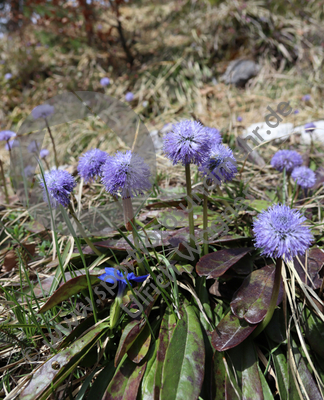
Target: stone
[318,133]
[278,134]
[240,71]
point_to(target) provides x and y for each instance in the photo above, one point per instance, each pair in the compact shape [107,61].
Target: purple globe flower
[90,164]
[129,96]
[126,173]
[104,81]
[239,119]
[288,159]
[13,143]
[6,135]
[42,111]
[214,136]
[305,177]
[279,232]
[34,147]
[296,112]
[43,153]
[187,142]
[59,185]
[112,275]
[8,76]
[221,164]
[307,97]
[29,171]
[310,127]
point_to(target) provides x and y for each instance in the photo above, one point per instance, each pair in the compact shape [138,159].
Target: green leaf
[281,369]
[252,299]
[219,376]
[314,331]
[99,386]
[183,369]
[306,377]
[168,325]
[251,382]
[265,387]
[216,264]
[230,332]
[53,372]
[147,386]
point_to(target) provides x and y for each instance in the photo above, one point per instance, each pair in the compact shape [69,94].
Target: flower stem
[129,224]
[4,182]
[284,187]
[205,222]
[83,233]
[273,300]
[53,143]
[190,207]
[312,143]
[221,195]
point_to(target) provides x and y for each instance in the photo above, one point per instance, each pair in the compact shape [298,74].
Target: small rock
[239,72]
[281,132]
[318,133]
[157,141]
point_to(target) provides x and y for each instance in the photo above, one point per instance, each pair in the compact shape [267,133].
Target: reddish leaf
[227,238]
[216,264]
[125,383]
[141,345]
[252,299]
[315,264]
[230,332]
[131,332]
[165,204]
[68,289]
[10,261]
[35,227]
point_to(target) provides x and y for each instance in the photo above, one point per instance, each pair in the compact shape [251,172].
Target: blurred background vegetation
[170,54]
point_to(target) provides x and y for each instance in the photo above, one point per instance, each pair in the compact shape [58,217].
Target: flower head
[307,97]
[214,136]
[310,127]
[42,111]
[296,112]
[13,143]
[104,81]
[221,164]
[305,177]
[90,164]
[187,142]
[239,119]
[279,232]
[33,147]
[288,159]
[129,96]
[29,171]
[59,185]
[7,135]
[8,76]
[127,173]
[112,275]
[43,153]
